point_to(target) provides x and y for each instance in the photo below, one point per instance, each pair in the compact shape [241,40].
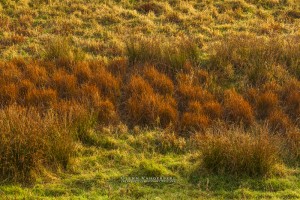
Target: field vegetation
[205,92]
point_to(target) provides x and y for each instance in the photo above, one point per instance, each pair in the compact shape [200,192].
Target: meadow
[206,93]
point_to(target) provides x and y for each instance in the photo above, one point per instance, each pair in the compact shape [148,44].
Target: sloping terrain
[98,96]
[101,28]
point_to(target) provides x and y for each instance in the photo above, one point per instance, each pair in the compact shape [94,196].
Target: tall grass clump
[108,84]
[291,55]
[291,147]
[246,57]
[25,86]
[82,72]
[279,122]
[170,142]
[171,58]
[89,95]
[106,113]
[144,107]
[291,94]
[8,94]
[41,97]
[62,53]
[36,73]
[237,109]
[64,83]
[242,52]
[29,142]
[213,109]
[267,102]
[195,119]
[118,67]
[81,121]
[239,154]
[187,93]
[159,81]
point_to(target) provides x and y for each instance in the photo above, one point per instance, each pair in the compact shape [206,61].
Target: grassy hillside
[96,97]
[101,28]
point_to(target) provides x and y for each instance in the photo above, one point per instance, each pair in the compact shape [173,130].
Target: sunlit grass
[204,92]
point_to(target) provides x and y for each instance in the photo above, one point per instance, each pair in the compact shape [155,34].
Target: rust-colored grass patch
[193,122]
[108,85]
[41,97]
[213,109]
[237,109]
[146,108]
[279,122]
[64,83]
[83,72]
[266,104]
[106,113]
[187,93]
[8,94]
[160,82]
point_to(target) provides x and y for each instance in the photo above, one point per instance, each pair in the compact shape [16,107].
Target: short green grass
[97,173]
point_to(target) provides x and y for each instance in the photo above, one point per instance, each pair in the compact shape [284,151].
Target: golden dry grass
[239,154]
[30,141]
[116,21]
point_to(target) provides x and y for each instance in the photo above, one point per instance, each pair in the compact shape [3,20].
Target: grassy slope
[100,28]
[97,172]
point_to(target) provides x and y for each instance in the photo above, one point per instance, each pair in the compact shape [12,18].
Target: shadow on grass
[220,183]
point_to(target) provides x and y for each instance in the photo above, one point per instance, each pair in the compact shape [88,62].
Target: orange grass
[64,83]
[266,104]
[108,85]
[83,72]
[146,97]
[145,107]
[160,82]
[279,122]
[41,97]
[8,94]
[237,109]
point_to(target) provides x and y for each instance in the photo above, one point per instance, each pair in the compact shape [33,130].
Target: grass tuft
[29,142]
[239,154]
[237,109]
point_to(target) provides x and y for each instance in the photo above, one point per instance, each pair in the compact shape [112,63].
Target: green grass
[97,173]
[102,28]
